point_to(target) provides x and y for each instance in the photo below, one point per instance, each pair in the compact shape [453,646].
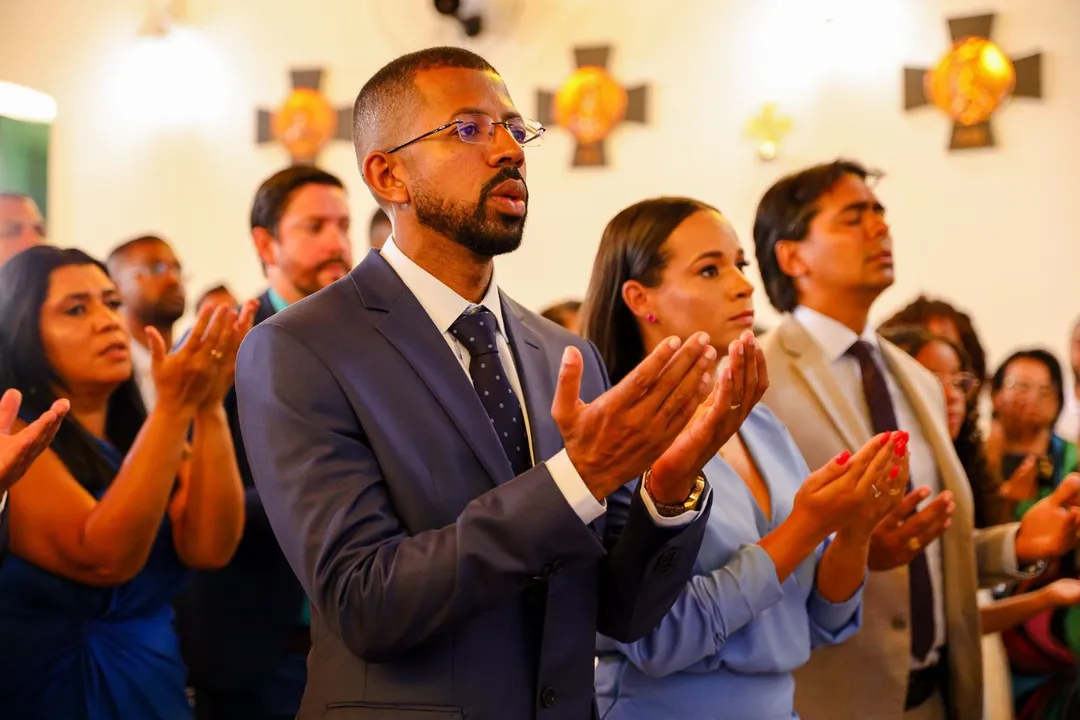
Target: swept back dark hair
[784,213]
[389,95]
[560,312]
[923,309]
[969,444]
[24,285]
[1057,377]
[632,248]
[276,191]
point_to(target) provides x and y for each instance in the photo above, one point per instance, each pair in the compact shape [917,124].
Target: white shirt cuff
[677,521]
[573,488]
[3,502]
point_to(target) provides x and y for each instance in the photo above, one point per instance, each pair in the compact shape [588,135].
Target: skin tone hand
[1049,529]
[1021,485]
[229,346]
[740,387]
[900,536]
[185,378]
[617,436]
[20,449]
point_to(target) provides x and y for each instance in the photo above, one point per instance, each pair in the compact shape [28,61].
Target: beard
[470,226]
[165,312]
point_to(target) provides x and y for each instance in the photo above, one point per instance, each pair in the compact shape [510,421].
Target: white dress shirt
[444,306]
[835,339]
[144,378]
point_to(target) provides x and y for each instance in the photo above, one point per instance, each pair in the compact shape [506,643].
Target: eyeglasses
[12,230]
[1041,392]
[159,269]
[963,382]
[480,129]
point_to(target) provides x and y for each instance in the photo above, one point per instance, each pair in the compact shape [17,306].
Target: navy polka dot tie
[475,329]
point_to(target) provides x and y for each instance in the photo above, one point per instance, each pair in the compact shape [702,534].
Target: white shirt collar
[834,337]
[442,304]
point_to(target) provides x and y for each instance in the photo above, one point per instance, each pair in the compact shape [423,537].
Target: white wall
[161,138]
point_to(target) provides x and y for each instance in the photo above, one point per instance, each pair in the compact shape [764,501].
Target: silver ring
[877,493]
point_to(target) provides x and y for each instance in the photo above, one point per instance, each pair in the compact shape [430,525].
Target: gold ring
[894,491]
[736,406]
[217,354]
[914,545]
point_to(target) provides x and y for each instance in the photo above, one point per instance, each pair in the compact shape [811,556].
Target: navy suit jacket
[397,508]
[235,623]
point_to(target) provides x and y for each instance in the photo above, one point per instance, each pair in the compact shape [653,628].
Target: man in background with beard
[245,629]
[151,285]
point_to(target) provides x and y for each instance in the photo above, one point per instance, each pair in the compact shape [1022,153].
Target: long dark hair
[969,444]
[632,248]
[923,309]
[24,285]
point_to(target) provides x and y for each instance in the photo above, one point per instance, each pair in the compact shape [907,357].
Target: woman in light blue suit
[781,568]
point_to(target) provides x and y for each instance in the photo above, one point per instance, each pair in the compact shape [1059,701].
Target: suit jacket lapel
[408,328]
[810,362]
[933,424]
[537,379]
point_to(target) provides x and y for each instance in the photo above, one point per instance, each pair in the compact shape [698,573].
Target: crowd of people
[388,490]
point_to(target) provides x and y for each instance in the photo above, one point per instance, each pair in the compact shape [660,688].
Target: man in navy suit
[244,629]
[19,450]
[447,472]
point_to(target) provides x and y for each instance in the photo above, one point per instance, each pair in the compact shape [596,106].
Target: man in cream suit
[825,255]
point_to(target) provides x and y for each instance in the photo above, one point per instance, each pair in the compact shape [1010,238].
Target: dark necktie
[475,329]
[883,418]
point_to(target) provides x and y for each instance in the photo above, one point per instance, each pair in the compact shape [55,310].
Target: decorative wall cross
[591,104]
[306,121]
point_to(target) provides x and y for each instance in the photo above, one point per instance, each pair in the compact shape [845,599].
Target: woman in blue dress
[783,561]
[106,523]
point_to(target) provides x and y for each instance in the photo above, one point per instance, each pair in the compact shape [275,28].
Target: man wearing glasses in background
[21,225]
[461,519]
[151,285]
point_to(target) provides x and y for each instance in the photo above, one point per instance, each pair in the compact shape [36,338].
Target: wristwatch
[669,510]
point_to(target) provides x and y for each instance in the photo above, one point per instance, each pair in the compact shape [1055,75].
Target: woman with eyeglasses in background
[1027,615]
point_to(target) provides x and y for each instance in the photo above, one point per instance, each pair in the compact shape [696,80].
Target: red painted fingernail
[885,438]
[900,449]
[843,457]
[895,472]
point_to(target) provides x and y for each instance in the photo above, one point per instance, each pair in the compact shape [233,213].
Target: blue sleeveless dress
[74,652]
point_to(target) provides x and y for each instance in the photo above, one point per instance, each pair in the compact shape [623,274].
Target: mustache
[338,261]
[507,173]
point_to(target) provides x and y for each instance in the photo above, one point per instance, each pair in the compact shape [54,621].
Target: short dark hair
[923,309]
[784,213]
[24,285]
[120,252]
[1057,377]
[559,313]
[274,194]
[632,248]
[379,217]
[388,96]
[210,291]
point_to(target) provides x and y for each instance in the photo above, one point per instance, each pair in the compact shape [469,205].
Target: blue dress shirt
[727,648]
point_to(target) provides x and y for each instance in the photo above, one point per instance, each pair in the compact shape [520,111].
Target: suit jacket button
[547,697]
[899,623]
